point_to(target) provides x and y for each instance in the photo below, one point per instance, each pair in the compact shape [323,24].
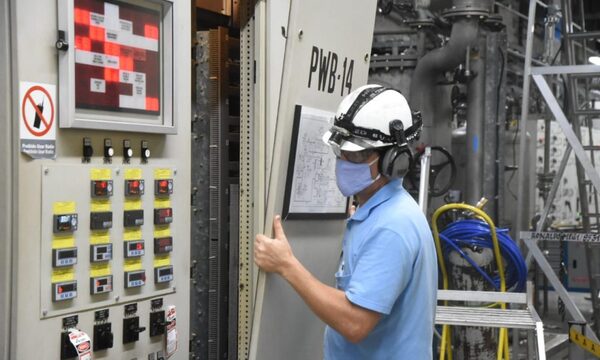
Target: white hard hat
[369,125]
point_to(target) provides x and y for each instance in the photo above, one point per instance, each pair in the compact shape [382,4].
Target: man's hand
[273,255]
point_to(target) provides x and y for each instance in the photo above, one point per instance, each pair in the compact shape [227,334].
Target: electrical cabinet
[103,229]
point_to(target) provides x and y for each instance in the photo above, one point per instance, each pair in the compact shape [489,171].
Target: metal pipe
[464,33]
[475,117]
[424,179]
[522,214]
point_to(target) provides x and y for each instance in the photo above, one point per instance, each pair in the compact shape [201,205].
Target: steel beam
[565,69]
[552,194]
[584,35]
[555,282]
[562,121]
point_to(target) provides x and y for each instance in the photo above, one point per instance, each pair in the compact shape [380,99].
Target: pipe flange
[466,11]
[420,23]
[494,23]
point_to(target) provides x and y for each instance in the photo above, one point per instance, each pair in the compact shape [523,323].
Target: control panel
[80,269]
[82,232]
[106,127]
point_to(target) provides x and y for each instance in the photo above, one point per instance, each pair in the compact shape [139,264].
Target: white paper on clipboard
[314,189]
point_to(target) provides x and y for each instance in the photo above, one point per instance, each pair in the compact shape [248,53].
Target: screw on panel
[118,171]
[117,298]
[174,288]
[366,57]
[300,33]
[44,312]
[46,171]
[174,171]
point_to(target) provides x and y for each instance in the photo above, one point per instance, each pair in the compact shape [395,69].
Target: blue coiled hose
[470,233]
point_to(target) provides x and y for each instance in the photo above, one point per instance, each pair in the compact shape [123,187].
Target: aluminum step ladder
[525,318]
[579,111]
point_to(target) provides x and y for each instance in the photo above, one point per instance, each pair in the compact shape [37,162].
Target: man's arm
[329,304]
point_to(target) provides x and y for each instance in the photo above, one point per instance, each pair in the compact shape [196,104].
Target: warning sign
[37,118]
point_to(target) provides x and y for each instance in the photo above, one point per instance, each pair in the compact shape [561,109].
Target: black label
[156,303]
[326,75]
[130,309]
[101,315]
[70,321]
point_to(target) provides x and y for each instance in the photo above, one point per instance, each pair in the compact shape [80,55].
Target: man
[384,301]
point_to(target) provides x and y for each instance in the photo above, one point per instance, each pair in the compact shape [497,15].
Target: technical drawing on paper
[314,188]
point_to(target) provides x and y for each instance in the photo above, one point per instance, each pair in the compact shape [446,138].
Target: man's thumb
[278,228]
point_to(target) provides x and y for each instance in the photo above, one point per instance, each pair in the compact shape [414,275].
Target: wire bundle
[476,233]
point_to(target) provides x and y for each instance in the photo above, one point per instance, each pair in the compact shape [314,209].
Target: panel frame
[72,117]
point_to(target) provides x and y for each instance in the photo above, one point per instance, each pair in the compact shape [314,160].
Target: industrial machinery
[97,179]
[148,142]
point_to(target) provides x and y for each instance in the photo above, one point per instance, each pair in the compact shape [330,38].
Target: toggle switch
[145,151]
[109,151]
[88,150]
[103,336]
[127,151]
[157,323]
[132,329]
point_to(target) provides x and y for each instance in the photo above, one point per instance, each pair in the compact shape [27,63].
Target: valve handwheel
[442,171]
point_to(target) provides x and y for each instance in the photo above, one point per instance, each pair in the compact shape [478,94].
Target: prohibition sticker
[37,119]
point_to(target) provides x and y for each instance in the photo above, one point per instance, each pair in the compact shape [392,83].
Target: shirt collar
[382,195]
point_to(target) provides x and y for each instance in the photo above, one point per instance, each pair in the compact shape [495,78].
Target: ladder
[571,74]
[578,114]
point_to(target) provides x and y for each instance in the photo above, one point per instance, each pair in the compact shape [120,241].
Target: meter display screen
[64,257]
[117,57]
[135,278]
[64,290]
[163,274]
[163,187]
[65,223]
[163,245]
[102,188]
[134,187]
[163,216]
[134,248]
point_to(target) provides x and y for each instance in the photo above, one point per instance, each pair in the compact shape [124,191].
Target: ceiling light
[594,60]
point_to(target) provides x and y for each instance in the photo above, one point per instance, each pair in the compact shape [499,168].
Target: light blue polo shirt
[388,265]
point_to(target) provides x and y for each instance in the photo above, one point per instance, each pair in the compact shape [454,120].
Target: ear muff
[398,158]
[396,161]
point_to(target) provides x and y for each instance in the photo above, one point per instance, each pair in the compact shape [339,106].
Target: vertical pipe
[522,214]
[475,118]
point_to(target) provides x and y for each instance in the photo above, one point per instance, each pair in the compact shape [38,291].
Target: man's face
[364,156]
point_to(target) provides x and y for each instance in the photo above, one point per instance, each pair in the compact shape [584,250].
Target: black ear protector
[398,158]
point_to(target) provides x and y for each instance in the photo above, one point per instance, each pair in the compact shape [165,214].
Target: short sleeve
[383,269]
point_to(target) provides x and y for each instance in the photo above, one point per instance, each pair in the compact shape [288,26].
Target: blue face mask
[352,178]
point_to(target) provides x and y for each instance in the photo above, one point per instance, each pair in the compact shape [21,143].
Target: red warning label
[37,118]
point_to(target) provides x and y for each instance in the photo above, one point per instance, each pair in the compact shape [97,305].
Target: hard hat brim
[350,146]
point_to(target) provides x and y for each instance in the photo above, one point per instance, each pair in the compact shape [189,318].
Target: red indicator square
[111,75]
[83,43]
[111,48]
[139,246]
[126,63]
[151,31]
[82,16]
[97,33]
[151,104]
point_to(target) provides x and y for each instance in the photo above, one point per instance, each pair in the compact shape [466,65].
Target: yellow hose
[446,345]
